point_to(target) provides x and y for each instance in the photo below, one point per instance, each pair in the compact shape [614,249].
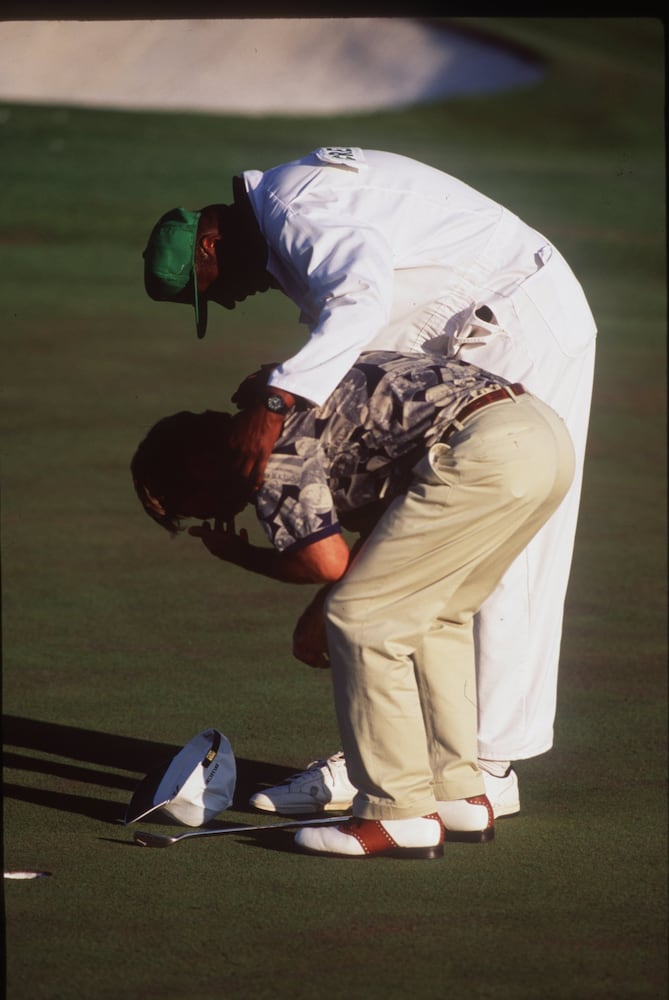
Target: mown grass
[119,644]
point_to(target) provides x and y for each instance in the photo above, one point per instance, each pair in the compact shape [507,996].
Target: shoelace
[317,765]
[331,763]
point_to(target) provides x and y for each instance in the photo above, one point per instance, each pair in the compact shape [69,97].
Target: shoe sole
[470,836]
[302,811]
[507,813]
[405,853]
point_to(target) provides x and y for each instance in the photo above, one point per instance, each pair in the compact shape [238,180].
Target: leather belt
[494,396]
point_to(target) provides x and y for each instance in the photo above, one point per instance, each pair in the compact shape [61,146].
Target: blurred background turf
[119,644]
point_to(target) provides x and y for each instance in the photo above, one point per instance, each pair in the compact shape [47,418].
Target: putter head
[153,839]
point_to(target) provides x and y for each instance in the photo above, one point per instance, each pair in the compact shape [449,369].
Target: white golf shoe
[468,821]
[368,838]
[322,787]
[503,793]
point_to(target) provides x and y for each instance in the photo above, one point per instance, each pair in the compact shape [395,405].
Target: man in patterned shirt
[453,470]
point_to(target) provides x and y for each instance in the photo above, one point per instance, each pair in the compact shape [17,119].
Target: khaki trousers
[399,623]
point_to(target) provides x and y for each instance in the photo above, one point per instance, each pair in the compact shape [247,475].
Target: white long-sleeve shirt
[380,251]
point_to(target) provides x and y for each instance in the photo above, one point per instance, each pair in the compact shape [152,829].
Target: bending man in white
[380,251]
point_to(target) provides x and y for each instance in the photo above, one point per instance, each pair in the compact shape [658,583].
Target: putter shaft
[145,839]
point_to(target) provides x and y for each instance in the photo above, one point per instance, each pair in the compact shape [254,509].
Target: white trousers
[399,622]
[543,335]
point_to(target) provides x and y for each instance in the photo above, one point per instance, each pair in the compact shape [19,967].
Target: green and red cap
[169,263]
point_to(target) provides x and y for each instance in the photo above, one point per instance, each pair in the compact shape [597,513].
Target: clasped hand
[310,644]
[223,541]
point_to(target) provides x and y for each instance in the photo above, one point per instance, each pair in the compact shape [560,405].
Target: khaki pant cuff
[381,810]
[448,791]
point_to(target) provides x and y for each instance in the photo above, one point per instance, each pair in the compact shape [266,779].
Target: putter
[165,840]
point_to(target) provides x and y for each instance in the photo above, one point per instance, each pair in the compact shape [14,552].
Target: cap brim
[144,800]
[201,315]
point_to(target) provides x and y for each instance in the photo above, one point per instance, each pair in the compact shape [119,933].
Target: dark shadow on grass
[100,809]
[118,842]
[71,772]
[106,750]
[278,841]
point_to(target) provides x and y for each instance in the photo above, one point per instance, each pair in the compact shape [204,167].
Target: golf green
[120,644]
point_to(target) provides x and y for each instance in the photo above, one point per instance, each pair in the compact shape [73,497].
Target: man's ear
[207,243]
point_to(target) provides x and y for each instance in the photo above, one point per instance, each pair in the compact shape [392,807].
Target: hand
[309,637]
[223,541]
[253,434]
[247,392]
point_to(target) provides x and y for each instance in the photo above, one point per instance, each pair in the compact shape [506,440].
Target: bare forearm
[275,565]
[254,432]
[323,561]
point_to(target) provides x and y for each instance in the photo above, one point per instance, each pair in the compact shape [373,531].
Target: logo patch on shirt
[350,156]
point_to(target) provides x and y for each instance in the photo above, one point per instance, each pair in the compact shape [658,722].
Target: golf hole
[27,874]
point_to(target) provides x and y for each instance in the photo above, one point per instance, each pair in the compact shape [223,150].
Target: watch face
[275,404]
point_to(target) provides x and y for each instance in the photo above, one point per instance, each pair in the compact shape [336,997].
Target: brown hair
[161,465]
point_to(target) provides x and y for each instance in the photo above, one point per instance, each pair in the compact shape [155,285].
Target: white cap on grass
[192,788]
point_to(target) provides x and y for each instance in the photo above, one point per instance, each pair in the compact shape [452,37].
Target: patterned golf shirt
[359,447]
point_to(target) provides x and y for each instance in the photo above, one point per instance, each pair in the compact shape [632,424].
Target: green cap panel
[169,262]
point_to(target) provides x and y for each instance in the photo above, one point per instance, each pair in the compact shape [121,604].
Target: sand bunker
[250,66]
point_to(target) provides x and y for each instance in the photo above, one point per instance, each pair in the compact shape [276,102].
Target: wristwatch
[276,403]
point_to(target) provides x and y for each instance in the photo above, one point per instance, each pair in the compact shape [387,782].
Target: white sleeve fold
[346,274]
